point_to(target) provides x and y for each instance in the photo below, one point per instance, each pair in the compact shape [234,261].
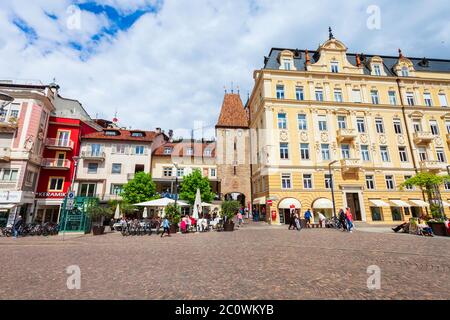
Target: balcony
[93,155]
[5,154]
[346,135]
[432,165]
[8,126]
[59,144]
[351,165]
[56,164]
[423,137]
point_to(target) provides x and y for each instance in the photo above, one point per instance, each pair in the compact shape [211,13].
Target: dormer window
[377,70]
[167,150]
[334,66]
[111,133]
[405,72]
[287,65]
[137,134]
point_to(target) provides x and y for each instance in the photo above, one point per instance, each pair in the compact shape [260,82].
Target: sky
[166,63]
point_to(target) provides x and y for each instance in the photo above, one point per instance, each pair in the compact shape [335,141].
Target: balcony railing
[432,165]
[56,164]
[351,165]
[8,185]
[93,155]
[346,134]
[5,154]
[64,144]
[423,137]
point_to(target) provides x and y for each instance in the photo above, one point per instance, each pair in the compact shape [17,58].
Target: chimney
[400,54]
[307,58]
[158,130]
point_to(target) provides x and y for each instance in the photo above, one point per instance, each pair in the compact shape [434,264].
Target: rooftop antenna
[225,88]
[232,88]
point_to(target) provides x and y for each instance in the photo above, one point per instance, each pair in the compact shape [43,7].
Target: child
[240,218]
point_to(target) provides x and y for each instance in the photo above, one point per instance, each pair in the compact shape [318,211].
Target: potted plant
[97,214]
[229,210]
[173,213]
[438,227]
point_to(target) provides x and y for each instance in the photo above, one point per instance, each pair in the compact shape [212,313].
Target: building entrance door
[354,205]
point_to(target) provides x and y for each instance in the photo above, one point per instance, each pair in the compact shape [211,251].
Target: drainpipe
[409,137]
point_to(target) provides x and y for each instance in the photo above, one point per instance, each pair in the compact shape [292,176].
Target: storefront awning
[323,203]
[5,207]
[289,203]
[445,204]
[379,203]
[400,203]
[419,203]
[261,200]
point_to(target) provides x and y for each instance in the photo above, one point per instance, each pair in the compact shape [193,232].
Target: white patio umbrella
[145,213]
[197,205]
[117,213]
[163,202]
[204,204]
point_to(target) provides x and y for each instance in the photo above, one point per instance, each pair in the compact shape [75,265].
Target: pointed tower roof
[233,114]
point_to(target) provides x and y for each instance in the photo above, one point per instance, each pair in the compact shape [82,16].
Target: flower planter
[438,228]
[228,227]
[173,228]
[98,230]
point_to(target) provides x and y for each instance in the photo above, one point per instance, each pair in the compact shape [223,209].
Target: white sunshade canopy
[261,200]
[7,206]
[379,203]
[445,204]
[163,202]
[286,203]
[400,203]
[323,203]
[419,203]
[204,204]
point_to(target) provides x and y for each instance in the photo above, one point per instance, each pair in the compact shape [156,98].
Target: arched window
[405,71]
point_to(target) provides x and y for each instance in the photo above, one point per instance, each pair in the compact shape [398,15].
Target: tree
[98,213]
[193,182]
[140,189]
[230,208]
[429,183]
[173,213]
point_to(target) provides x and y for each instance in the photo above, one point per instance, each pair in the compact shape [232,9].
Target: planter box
[173,228]
[438,228]
[98,230]
[228,227]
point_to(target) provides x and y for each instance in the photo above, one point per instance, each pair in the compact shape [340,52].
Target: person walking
[342,220]
[298,225]
[292,219]
[308,216]
[17,225]
[166,227]
[240,218]
[349,219]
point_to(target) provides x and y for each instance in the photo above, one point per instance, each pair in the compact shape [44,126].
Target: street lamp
[332,187]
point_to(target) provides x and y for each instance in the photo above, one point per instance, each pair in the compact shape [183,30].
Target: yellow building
[376,119]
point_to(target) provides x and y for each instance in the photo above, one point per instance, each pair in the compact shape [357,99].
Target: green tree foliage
[140,189]
[193,182]
[98,213]
[230,208]
[173,213]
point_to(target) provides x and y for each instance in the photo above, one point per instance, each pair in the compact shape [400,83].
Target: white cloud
[169,69]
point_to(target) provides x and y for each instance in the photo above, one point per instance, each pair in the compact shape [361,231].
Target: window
[440,155]
[334,67]
[392,98]
[370,182]
[212,172]
[95,149]
[427,99]
[111,133]
[319,95]
[139,150]
[379,125]
[9,174]
[390,182]
[286,181]
[410,99]
[423,155]
[180,172]
[447,125]
[282,121]
[356,94]
[402,153]
[207,153]
[120,149]
[338,95]
[139,168]
[167,171]
[87,189]
[56,184]
[345,151]
[325,151]
[376,214]
[417,125]
[92,168]
[137,134]
[342,122]
[447,185]
[116,168]
[408,187]
[434,127]
[443,100]
[397,126]
[299,93]
[30,177]
[365,156]
[280,92]
[14,111]
[323,123]
[304,151]
[405,72]
[302,122]
[307,181]
[361,125]
[116,189]
[327,180]
[375,98]
[284,150]
[377,70]
[190,151]
[384,154]
[287,65]
[167,150]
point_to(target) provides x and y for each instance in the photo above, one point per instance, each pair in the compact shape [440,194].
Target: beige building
[381,118]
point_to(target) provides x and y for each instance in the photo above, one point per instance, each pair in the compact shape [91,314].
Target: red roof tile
[124,135]
[179,149]
[233,114]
